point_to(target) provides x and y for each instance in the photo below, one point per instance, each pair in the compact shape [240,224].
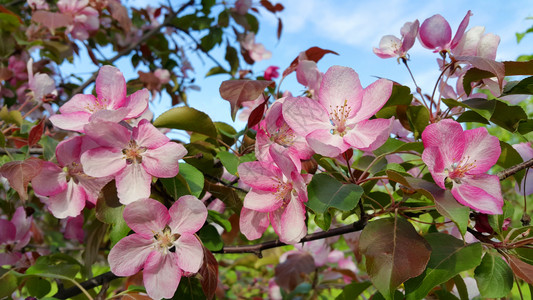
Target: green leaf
[8,284]
[325,191]
[2,140]
[55,265]
[189,181]
[418,117]
[494,277]
[108,207]
[401,95]
[223,18]
[38,287]
[187,118]
[472,116]
[233,59]
[190,289]
[510,157]
[229,160]
[214,216]
[118,231]
[213,38]
[176,186]
[323,220]
[449,257]
[525,126]
[394,253]
[483,107]
[215,71]
[210,238]
[49,147]
[524,86]
[353,290]
[508,116]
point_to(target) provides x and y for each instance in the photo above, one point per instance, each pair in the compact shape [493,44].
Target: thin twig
[514,169]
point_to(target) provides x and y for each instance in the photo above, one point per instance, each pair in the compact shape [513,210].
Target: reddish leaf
[51,20]
[19,142]
[521,269]
[394,253]
[518,67]
[5,74]
[256,115]
[91,55]
[294,270]
[239,91]
[120,13]
[20,173]
[280,28]
[35,133]
[269,6]
[149,80]
[209,273]
[278,7]
[7,11]
[314,53]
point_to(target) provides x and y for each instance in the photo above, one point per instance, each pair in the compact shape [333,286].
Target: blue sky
[352,28]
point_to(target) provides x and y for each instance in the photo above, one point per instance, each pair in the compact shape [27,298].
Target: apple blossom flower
[271,72]
[475,42]
[435,33]
[111,102]
[163,75]
[164,244]
[14,235]
[274,130]
[391,46]
[73,228]
[464,157]
[42,87]
[277,196]
[132,157]
[526,152]
[84,17]
[66,188]
[256,51]
[339,119]
[308,74]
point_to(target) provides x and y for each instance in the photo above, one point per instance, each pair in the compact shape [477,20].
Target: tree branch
[89,284]
[514,169]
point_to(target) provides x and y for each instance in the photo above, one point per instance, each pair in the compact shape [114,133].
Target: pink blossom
[271,72]
[391,46]
[84,17]
[339,119]
[256,51]
[526,152]
[132,157]
[242,6]
[274,130]
[164,244]
[73,228]
[464,157]
[308,74]
[163,75]
[66,188]
[14,235]
[476,43]
[42,87]
[111,102]
[435,33]
[277,196]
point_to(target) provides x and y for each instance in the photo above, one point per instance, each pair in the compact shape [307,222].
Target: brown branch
[89,284]
[36,151]
[512,170]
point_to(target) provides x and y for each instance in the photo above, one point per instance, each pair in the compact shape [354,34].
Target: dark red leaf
[293,271]
[313,53]
[280,28]
[91,55]
[35,133]
[278,7]
[256,115]
[239,91]
[209,273]
[20,173]
[269,6]
[521,269]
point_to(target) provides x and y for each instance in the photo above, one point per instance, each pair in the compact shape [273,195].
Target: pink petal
[146,135]
[50,181]
[389,46]
[23,225]
[259,175]
[289,223]
[74,229]
[113,116]
[92,185]
[133,183]
[262,146]
[307,74]
[68,203]
[79,103]
[101,162]
[189,252]
[161,275]
[69,150]
[323,142]
[7,231]
[433,158]
[111,87]
[480,192]
[305,115]
[435,32]
[488,45]
[482,149]
[461,30]
[137,103]
[374,97]
[128,255]
[163,162]
[409,33]
[108,134]
[74,121]
[262,201]
[146,217]
[468,44]
[286,159]
[340,85]
[449,137]
[253,223]
[9,258]
[369,135]
[187,214]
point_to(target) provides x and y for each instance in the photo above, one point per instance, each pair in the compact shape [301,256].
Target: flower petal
[449,137]
[161,275]
[146,135]
[480,192]
[146,217]
[74,121]
[108,134]
[50,181]
[23,225]
[263,201]
[111,87]
[305,115]
[369,135]
[253,223]
[482,149]
[69,202]
[374,97]
[187,214]
[189,252]
[129,255]
[323,142]
[79,103]
[101,162]
[433,158]
[133,183]
[435,32]
[163,162]
[340,85]
[7,231]
[259,175]
[69,150]
[461,30]
[137,103]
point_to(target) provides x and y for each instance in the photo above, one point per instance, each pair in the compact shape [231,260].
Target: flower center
[133,153]
[165,240]
[459,169]
[338,116]
[97,105]
[284,136]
